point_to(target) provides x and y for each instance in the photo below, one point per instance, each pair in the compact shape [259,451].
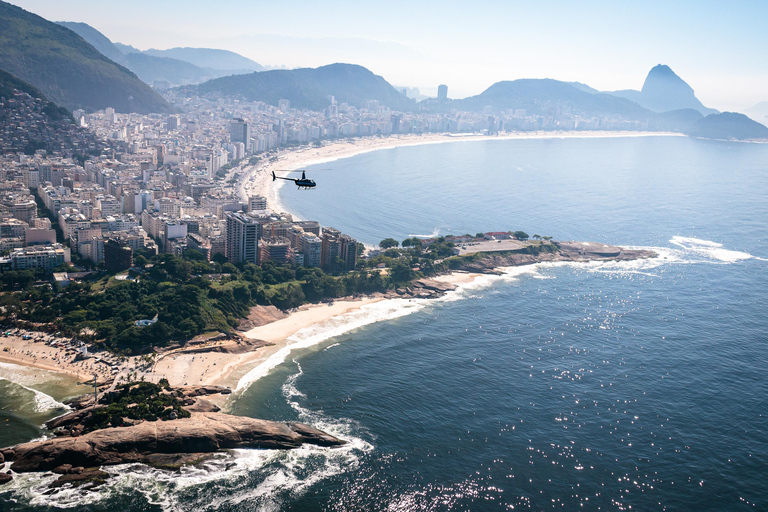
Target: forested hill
[68,70]
[310,88]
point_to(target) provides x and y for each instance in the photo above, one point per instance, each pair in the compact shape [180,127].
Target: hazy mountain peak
[664,91]
[662,80]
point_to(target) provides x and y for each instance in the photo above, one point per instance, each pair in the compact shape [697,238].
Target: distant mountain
[728,125]
[96,39]
[210,58]
[176,72]
[68,70]
[584,87]
[148,67]
[310,88]
[663,91]
[126,48]
[758,112]
[538,95]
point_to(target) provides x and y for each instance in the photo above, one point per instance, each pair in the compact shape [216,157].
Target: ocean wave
[23,377]
[709,249]
[434,234]
[335,326]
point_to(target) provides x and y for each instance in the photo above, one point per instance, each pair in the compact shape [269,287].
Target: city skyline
[719,50]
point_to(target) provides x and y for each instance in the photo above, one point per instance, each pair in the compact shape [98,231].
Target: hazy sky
[719,48]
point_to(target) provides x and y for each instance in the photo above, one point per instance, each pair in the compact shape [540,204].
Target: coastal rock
[261,315]
[202,433]
[2,458]
[434,286]
[192,391]
[5,478]
[72,418]
[87,478]
[201,405]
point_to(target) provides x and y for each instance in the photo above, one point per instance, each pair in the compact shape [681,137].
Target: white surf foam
[434,234]
[709,249]
[307,337]
[25,378]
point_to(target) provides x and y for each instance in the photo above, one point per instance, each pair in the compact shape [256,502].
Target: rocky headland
[84,442]
[491,261]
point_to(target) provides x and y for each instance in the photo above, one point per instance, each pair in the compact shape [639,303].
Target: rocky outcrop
[200,434]
[421,289]
[261,315]
[566,251]
[192,391]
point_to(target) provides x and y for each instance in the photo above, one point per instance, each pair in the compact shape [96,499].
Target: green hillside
[68,70]
[310,87]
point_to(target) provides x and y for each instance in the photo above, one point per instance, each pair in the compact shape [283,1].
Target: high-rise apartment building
[240,131]
[242,243]
[330,248]
[442,92]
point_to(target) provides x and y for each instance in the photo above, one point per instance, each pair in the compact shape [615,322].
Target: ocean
[600,386]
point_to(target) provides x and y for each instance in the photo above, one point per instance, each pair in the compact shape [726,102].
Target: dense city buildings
[111,184]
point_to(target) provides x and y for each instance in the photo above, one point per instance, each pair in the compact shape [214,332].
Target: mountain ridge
[67,69]
[151,66]
[310,88]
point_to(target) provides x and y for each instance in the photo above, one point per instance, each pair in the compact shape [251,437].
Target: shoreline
[256,180]
[268,345]
[194,367]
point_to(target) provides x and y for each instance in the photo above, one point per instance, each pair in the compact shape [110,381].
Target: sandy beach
[226,369]
[53,354]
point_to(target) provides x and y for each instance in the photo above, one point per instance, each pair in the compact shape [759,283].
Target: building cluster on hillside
[28,124]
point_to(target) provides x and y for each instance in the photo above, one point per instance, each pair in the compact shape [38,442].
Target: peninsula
[168,427]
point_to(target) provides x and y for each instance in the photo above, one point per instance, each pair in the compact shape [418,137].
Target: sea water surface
[600,386]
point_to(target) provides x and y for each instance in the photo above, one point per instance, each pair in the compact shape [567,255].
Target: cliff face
[200,434]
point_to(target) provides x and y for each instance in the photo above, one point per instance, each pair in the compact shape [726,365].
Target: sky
[719,48]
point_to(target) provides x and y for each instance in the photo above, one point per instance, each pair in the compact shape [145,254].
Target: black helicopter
[303,183]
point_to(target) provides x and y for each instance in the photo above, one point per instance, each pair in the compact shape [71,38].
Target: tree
[388,242]
[521,235]
[402,272]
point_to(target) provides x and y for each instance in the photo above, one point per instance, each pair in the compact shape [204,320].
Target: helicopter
[303,183]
